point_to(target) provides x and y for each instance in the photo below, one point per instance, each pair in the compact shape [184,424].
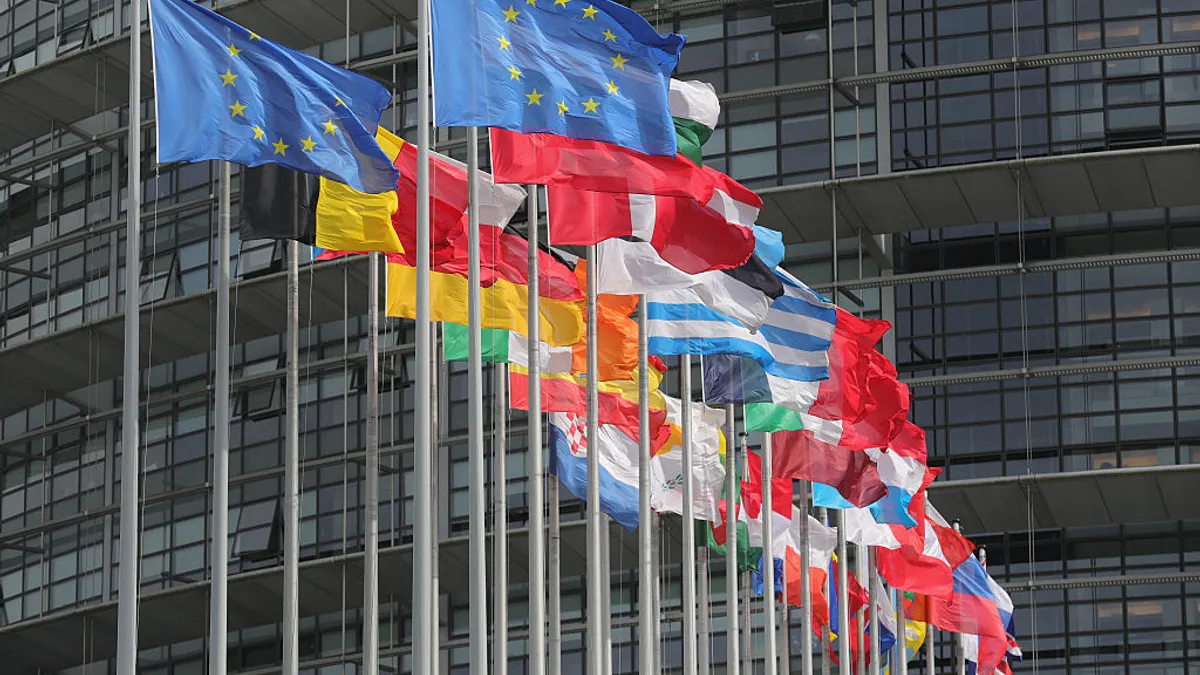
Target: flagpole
[435,368]
[537,514]
[860,628]
[705,631]
[127,584]
[647,569]
[771,634]
[732,646]
[843,597]
[606,595]
[659,562]
[747,626]
[218,639]
[478,535]
[424,656]
[960,651]
[806,617]
[826,634]
[595,603]
[291,473]
[873,575]
[687,568]
[901,636]
[554,590]
[371,480]
[500,520]
[785,657]
[930,660]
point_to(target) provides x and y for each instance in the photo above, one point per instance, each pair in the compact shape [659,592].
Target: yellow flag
[505,305]
[349,220]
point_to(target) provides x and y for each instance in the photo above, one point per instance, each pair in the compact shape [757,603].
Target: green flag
[495,343]
[768,417]
[695,109]
[747,556]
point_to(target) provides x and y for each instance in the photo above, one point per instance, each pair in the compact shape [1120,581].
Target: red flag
[547,159]
[844,395]
[799,455]
[816,586]
[691,235]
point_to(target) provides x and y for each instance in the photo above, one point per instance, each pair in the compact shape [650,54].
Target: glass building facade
[916,85]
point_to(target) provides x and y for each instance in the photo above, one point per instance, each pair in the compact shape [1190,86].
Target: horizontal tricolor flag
[618,461]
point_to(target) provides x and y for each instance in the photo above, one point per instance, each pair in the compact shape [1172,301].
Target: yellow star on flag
[259,134]
[514,74]
[562,108]
[281,148]
[534,98]
[561,2]
[608,36]
[227,77]
[589,12]
[233,51]
[531,3]
[308,143]
[591,105]
[618,61]
[238,107]
[511,14]
[504,43]
[330,127]
[338,101]
[612,87]
[254,36]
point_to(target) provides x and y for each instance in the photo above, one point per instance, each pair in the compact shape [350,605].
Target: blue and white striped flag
[792,345]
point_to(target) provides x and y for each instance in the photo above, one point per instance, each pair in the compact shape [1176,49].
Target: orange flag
[616,334]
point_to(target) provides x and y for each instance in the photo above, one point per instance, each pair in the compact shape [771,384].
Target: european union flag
[588,69]
[223,92]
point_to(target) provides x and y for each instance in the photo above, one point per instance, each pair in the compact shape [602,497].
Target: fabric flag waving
[708,469]
[691,235]
[971,610]
[598,72]
[223,92]
[271,194]
[618,466]
[349,220]
[695,109]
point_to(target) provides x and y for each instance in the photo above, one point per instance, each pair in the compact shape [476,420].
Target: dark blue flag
[587,69]
[223,92]
[733,379]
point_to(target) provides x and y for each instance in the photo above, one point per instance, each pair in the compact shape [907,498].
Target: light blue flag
[792,344]
[223,92]
[587,69]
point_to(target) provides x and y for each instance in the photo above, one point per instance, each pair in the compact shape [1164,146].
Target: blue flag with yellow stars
[223,92]
[587,69]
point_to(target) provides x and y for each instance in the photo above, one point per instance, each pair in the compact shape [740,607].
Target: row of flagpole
[425,631]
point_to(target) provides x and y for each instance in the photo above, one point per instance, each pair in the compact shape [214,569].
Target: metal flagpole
[435,367]
[785,635]
[930,660]
[843,597]
[500,523]
[554,590]
[657,525]
[291,472]
[595,603]
[537,514]
[860,629]
[876,588]
[705,631]
[732,646]
[218,639]
[687,568]
[647,569]
[826,634]
[768,560]
[960,653]
[806,616]
[127,586]
[606,596]
[747,630]
[371,492]
[478,537]
[901,636]
[424,656]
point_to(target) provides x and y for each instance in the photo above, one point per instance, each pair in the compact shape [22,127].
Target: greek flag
[792,346]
